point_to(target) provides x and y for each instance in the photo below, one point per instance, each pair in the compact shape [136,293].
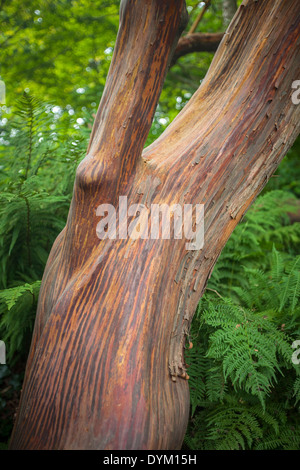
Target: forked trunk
[106,368]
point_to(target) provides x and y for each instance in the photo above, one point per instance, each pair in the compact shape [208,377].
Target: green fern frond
[17,312]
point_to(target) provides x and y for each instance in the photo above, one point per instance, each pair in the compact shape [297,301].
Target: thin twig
[213,290]
[199,17]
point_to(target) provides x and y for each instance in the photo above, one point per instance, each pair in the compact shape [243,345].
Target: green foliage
[62,50]
[244,385]
[284,177]
[57,49]
[265,225]
[36,181]
[17,309]
[39,154]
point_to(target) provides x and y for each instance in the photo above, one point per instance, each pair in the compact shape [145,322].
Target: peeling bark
[106,368]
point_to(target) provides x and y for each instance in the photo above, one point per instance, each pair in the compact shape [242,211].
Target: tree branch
[196,42]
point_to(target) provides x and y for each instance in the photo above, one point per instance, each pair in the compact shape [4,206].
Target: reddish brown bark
[113,315]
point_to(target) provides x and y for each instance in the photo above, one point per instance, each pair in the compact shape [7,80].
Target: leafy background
[245,389]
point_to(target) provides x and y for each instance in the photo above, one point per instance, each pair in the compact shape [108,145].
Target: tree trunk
[229,9]
[106,368]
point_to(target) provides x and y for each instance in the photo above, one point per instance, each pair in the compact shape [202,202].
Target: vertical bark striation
[106,368]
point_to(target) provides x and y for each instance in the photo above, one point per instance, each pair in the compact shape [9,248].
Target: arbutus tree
[106,368]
